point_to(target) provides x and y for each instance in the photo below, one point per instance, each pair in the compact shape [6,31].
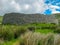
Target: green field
[29,34]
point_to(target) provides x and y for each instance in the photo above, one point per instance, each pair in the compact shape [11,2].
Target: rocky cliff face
[18,18]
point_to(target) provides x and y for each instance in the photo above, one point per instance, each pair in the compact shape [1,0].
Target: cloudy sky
[30,6]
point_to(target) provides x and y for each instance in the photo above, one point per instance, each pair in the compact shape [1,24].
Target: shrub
[31,29]
[57,30]
[6,35]
[18,32]
[9,32]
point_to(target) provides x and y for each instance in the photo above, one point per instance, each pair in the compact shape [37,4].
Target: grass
[12,42]
[30,38]
[40,39]
[45,31]
[9,42]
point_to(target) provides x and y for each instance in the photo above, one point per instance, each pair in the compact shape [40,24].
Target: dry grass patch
[37,39]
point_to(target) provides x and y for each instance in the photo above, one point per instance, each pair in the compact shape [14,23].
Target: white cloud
[40,6]
[26,6]
[15,5]
[55,12]
[13,2]
[53,8]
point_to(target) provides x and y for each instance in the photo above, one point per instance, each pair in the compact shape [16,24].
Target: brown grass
[40,39]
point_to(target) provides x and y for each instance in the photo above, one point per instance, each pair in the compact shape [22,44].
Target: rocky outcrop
[18,18]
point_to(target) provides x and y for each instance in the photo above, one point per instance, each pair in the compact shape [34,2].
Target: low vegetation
[30,34]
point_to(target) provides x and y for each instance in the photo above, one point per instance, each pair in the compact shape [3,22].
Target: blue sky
[53,3]
[30,6]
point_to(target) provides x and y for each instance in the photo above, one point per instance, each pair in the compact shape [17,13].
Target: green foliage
[45,31]
[7,35]
[19,31]
[9,32]
[57,30]
[31,28]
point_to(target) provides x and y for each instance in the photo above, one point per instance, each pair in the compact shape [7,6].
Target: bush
[57,30]
[31,29]
[9,32]
[6,35]
[18,32]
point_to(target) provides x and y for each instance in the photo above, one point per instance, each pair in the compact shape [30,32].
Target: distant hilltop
[20,18]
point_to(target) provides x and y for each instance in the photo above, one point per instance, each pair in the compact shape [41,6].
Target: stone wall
[18,18]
